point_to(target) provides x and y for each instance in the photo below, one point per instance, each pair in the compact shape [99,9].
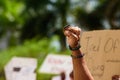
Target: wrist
[77,54]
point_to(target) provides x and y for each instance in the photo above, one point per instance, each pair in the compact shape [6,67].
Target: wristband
[77,56]
[76,48]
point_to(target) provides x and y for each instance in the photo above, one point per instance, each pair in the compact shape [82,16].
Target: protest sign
[20,68]
[55,64]
[102,53]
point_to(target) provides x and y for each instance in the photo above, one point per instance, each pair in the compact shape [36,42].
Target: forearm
[81,71]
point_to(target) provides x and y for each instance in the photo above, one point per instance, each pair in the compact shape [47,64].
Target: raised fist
[72,34]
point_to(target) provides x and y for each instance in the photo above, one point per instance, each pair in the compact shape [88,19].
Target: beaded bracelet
[78,56]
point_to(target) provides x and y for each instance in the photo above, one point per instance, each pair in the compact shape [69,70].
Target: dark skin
[80,69]
[116,77]
[71,76]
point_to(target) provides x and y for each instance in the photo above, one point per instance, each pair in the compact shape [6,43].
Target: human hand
[72,34]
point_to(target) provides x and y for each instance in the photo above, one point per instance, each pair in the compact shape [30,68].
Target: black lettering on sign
[96,46]
[116,44]
[113,61]
[91,45]
[111,45]
[88,39]
[108,45]
[98,70]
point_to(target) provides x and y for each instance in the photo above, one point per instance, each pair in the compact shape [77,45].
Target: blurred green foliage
[10,14]
[46,18]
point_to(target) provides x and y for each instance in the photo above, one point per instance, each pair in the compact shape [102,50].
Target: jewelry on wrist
[77,56]
[76,48]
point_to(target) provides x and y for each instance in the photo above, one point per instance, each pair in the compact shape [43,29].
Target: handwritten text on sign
[102,49]
[110,45]
[55,64]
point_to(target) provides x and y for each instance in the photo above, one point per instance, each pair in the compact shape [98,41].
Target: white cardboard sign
[55,64]
[20,68]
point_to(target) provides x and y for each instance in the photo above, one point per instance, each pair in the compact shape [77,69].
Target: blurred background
[33,28]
